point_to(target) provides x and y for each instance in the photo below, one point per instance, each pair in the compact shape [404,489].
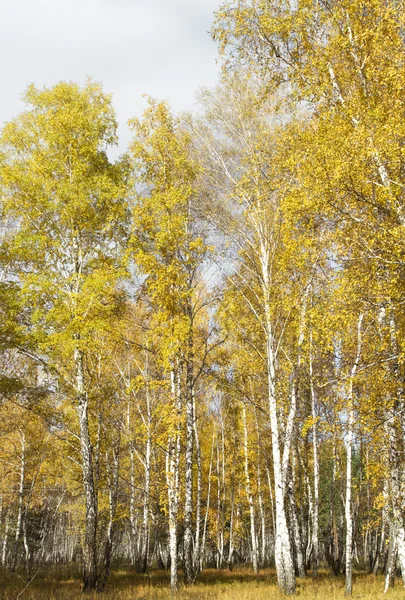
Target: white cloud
[156,47]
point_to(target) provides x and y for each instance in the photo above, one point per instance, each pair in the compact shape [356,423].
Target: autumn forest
[202,376]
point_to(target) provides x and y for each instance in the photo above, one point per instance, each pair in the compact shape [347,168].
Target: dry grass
[241,584]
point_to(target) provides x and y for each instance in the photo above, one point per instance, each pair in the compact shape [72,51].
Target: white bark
[283,555]
[398,528]
[263,547]
[220,532]
[380,546]
[197,548]
[315,514]
[392,558]
[207,508]
[273,514]
[249,495]
[230,553]
[20,500]
[147,470]
[172,479]
[349,449]
[290,425]
[5,540]
[297,539]
[112,478]
[90,539]
[132,510]
[188,502]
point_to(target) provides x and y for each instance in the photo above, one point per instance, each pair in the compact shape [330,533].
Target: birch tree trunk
[294,523]
[283,555]
[188,503]
[349,449]
[26,545]
[207,508]
[348,502]
[315,521]
[230,552]
[113,472]
[146,493]
[263,546]
[20,502]
[380,544]
[398,528]
[197,544]
[132,510]
[220,532]
[5,541]
[309,535]
[392,558]
[172,478]
[90,534]
[271,495]
[289,487]
[249,495]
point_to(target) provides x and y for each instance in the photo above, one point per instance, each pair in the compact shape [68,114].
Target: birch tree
[68,201]
[169,250]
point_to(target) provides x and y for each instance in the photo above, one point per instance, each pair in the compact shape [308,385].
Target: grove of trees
[203,342]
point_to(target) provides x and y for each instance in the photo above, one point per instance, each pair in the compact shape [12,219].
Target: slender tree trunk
[25,541]
[197,545]
[392,558]
[286,564]
[380,549]
[396,406]
[223,486]
[5,541]
[333,538]
[349,447]
[188,504]
[172,478]
[398,529]
[132,509]
[230,552]
[296,533]
[348,503]
[170,468]
[113,472]
[220,533]
[20,503]
[263,547]
[308,541]
[283,556]
[90,534]
[315,520]
[207,508]
[249,495]
[146,494]
[271,495]
[394,453]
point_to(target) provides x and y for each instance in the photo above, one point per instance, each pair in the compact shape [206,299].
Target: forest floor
[240,584]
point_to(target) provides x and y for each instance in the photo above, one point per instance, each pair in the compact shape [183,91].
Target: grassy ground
[241,584]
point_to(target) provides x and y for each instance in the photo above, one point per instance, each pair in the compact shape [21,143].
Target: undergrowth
[241,584]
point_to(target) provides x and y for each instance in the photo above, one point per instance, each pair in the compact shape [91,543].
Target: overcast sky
[134,47]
